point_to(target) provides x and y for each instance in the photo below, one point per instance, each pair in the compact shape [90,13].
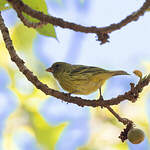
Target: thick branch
[18,4]
[131,95]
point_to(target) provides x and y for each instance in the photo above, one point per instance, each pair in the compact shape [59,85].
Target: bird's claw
[101,99]
[68,94]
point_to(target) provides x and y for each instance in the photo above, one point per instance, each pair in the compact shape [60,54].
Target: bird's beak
[50,70]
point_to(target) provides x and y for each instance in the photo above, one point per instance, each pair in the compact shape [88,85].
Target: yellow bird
[80,79]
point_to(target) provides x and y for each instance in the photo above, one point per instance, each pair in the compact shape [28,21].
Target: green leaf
[24,40]
[4,5]
[47,30]
[46,135]
[40,5]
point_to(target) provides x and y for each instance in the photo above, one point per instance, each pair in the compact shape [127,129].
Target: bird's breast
[84,87]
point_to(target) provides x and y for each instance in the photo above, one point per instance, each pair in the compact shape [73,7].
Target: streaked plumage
[80,79]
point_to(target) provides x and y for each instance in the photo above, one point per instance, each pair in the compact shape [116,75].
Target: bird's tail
[120,72]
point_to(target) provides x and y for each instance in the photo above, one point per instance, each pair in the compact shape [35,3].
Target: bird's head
[58,68]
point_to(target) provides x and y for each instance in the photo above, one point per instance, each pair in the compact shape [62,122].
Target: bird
[81,79]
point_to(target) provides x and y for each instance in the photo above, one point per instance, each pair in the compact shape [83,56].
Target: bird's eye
[57,66]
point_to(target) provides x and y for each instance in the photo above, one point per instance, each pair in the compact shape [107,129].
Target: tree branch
[27,23]
[125,121]
[102,32]
[131,95]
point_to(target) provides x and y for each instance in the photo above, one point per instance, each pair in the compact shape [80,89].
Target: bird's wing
[81,72]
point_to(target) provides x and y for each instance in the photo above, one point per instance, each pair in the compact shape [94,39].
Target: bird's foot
[101,99]
[68,94]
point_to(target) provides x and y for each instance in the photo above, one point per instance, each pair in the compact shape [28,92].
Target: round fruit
[135,135]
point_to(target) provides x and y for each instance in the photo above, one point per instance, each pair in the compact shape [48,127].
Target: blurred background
[30,120]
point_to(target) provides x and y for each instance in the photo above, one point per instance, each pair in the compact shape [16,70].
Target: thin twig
[27,22]
[125,121]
